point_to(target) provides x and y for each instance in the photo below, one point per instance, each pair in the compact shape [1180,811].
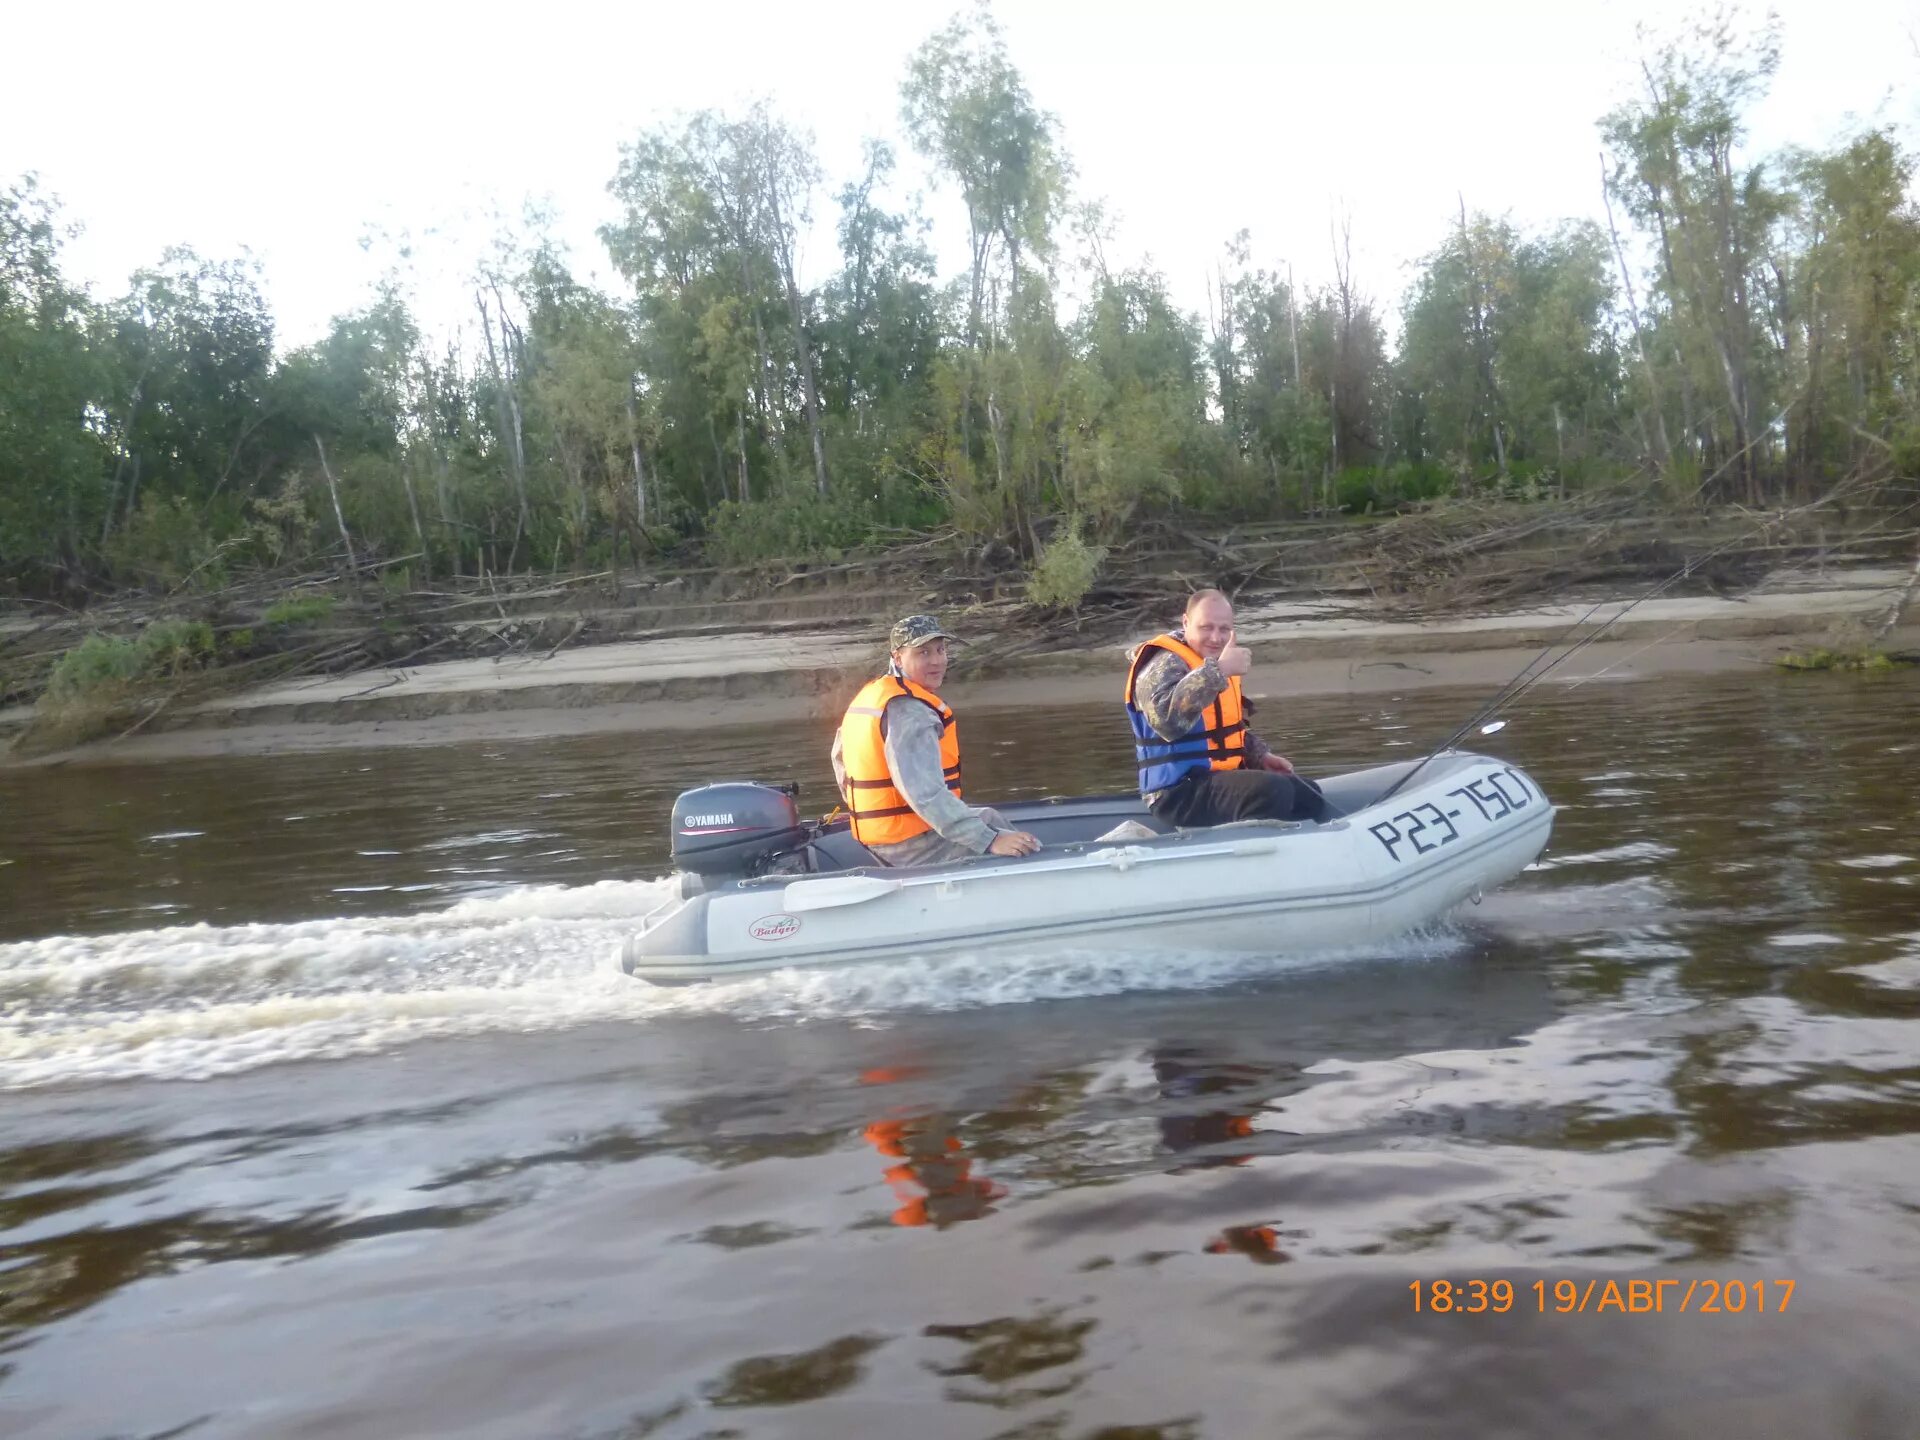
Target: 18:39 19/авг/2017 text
[1596,1296]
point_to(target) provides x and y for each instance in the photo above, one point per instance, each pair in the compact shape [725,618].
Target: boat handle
[835,890]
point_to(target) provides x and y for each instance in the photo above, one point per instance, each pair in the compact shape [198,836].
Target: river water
[327,1112]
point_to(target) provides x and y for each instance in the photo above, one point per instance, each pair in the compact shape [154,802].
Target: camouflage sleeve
[1172,697]
[913,759]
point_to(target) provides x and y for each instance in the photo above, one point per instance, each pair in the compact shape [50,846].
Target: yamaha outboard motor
[735,829]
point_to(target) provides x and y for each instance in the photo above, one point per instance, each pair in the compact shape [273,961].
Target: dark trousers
[1216,797]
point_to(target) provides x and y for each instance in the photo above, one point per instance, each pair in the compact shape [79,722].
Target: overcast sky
[296,132]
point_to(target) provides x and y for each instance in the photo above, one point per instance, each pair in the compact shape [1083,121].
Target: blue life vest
[1217,740]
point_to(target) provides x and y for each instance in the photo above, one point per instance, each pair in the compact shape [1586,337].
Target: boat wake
[197,1001]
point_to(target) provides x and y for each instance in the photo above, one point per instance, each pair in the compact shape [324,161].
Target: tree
[52,454]
[1846,297]
[967,109]
[1675,171]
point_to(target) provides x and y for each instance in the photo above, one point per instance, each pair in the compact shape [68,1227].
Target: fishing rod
[1528,677]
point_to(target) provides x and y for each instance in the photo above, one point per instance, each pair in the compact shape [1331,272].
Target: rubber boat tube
[1466,825]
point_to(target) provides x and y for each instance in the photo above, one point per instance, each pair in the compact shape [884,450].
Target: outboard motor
[734,829]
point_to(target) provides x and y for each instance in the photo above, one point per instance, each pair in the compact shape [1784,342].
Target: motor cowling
[734,828]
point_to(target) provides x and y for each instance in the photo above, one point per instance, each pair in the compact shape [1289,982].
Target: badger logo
[774,927]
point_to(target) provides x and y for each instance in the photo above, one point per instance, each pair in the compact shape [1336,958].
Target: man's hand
[1278,764]
[1236,659]
[1013,842]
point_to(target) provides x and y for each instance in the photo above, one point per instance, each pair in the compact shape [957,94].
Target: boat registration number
[1427,827]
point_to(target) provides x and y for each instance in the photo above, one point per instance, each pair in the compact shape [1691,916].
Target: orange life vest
[881,814]
[1217,741]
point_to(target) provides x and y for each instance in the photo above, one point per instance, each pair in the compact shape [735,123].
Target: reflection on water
[790,1379]
[454,1175]
[1002,1358]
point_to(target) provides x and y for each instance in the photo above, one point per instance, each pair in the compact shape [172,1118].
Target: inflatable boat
[760,889]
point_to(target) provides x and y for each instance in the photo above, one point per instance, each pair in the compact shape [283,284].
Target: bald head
[1209,622]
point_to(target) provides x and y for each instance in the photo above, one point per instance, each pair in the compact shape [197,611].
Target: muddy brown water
[327,1113]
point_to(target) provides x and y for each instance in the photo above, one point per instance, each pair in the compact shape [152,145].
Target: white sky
[294,131]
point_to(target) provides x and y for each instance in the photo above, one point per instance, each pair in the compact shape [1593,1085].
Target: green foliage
[794,526]
[157,439]
[171,541]
[98,660]
[51,459]
[298,610]
[279,527]
[1369,489]
[164,650]
[107,679]
[1065,570]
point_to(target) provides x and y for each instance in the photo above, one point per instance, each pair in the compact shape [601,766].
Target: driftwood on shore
[1452,559]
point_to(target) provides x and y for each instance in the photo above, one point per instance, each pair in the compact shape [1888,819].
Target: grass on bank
[1809,660]
[109,681]
[298,610]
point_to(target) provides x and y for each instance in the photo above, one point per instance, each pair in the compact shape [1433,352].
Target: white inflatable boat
[761,890]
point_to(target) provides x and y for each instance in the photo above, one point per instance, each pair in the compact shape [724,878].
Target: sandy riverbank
[699,681]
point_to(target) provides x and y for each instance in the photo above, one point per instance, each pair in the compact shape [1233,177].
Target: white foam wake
[196,1001]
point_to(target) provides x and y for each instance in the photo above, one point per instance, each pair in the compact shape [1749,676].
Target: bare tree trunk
[504,382]
[1225,363]
[134,402]
[763,382]
[639,470]
[1665,455]
[995,419]
[982,243]
[1688,425]
[413,508]
[803,349]
[810,392]
[1482,346]
[1735,334]
[741,416]
[1816,357]
[1293,328]
[333,489]
[113,494]
[133,491]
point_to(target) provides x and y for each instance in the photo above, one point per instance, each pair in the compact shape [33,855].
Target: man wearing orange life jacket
[896,758]
[1199,763]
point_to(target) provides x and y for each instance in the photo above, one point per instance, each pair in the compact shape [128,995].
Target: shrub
[1065,570]
[1838,660]
[1362,489]
[169,542]
[279,527]
[164,650]
[96,661]
[106,679]
[794,526]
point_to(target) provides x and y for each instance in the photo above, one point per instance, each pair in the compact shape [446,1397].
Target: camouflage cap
[916,630]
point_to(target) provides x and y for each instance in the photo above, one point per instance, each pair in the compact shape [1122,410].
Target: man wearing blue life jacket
[1199,763]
